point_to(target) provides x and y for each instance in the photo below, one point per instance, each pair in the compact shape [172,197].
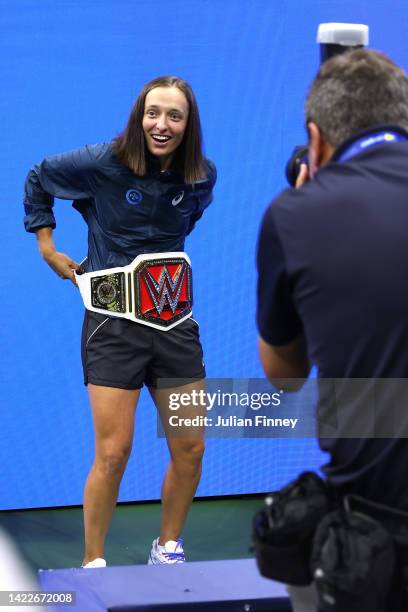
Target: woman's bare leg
[186,446]
[113,413]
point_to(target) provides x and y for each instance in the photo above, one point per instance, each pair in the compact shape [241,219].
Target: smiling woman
[164,121]
[140,195]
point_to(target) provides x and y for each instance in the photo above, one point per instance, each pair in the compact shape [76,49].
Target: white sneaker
[95,563]
[171,552]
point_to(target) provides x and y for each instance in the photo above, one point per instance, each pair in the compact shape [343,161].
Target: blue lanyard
[370,140]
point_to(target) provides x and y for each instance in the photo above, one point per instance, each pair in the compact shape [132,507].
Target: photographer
[333,264]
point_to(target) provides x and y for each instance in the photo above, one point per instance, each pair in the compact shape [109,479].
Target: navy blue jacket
[126,214]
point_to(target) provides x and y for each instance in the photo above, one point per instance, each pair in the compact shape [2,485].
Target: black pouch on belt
[283,530]
[353,560]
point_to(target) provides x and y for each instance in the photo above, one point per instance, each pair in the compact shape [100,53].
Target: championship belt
[154,290]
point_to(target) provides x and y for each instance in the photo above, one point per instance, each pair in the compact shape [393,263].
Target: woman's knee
[187,454]
[112,462]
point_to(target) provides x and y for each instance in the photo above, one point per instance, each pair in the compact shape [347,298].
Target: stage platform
[209,585]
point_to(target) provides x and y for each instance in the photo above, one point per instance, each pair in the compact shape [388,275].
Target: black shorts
[119,353]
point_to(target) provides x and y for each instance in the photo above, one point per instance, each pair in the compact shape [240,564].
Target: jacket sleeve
[205,196]
[67,176]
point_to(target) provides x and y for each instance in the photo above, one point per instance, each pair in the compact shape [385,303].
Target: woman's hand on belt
[63,265]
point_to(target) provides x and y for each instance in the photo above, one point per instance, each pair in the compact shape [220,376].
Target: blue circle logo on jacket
[133,196]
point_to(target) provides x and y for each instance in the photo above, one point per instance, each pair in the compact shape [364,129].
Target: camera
[334,38]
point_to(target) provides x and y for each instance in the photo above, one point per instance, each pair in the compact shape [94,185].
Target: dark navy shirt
[333,264]
[126,214]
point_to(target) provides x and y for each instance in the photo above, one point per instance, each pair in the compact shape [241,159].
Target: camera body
[333,38]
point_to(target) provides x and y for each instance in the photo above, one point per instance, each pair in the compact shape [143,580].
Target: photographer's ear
[320,150]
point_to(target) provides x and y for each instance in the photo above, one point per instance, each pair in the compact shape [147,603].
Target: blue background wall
[70,71]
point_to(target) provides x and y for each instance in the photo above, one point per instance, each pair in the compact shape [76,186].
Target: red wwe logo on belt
[155,289]
[163,290]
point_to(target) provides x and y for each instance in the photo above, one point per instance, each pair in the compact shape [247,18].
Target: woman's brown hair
[130,146]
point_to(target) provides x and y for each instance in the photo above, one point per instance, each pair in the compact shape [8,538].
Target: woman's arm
[62,264]
[206,195]
[69,176]
[72,175]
